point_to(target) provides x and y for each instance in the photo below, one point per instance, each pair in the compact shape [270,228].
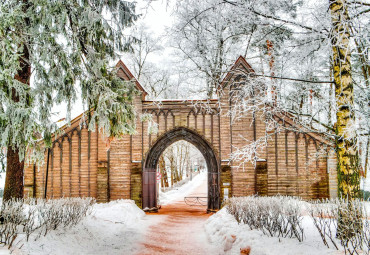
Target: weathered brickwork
[81,165]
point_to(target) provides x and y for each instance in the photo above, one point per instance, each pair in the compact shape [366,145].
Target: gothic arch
[152,157]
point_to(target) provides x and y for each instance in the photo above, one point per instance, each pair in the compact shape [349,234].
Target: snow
[120,227]
[117,227]
[112,228]
[182,191]
[222,226]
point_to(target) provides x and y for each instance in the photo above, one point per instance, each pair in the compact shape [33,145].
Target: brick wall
[80,164]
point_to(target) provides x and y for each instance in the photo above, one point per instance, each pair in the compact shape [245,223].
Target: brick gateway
[79,164]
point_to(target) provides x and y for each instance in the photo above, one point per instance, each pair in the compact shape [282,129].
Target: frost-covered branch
[25,218]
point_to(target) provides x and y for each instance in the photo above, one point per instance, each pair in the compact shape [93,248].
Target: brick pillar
[102,182]
[102,179]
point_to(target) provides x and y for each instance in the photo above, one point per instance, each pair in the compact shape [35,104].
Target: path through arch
[152,157]
[178,229]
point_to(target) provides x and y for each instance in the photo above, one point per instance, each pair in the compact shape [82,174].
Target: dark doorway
[152,157]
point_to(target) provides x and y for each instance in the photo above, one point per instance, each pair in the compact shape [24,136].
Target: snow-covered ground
[222,228]
[117,227]
[120,227]
[112,228]
[182,191]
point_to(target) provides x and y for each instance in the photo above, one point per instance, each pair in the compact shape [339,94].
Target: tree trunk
[162,167]
[367,157]
[14,168]
[14,175]
[347,154]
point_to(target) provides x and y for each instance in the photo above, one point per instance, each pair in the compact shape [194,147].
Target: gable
[240,65]
[124,73]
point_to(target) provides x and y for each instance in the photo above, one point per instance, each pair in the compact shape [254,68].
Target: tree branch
[313,119]
[291,79]
[360,3]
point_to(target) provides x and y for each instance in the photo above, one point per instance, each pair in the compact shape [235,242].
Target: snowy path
[182,230]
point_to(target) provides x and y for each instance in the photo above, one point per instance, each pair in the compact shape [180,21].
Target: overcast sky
[156,16]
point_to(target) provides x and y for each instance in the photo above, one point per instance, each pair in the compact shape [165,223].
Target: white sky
[157,16]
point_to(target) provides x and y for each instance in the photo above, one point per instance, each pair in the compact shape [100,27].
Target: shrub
[38,216]
[340,223]
[343,222]
[275,216]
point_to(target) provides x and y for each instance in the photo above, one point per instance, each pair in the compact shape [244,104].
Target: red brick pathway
[181,231]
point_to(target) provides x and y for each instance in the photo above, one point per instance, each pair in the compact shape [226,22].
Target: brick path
[181,231]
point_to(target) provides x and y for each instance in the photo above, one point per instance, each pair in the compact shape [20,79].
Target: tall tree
[347,153]
[50,51]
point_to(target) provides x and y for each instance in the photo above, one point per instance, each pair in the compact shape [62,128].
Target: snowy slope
[112,228]
[221,226]
[116,227]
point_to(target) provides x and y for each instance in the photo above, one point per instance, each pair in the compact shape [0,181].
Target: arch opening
[152,159]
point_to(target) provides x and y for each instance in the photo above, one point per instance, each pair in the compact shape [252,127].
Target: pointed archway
[152,157]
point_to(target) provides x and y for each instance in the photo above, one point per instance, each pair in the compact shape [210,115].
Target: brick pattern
[102,182]
[81,164]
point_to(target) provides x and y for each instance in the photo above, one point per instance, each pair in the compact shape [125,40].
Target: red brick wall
[292,165]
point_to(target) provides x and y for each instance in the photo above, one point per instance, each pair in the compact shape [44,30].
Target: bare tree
[322,41]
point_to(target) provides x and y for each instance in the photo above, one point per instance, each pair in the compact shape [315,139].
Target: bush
[275,216]
[344,223]
[340,223]
[38,216]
